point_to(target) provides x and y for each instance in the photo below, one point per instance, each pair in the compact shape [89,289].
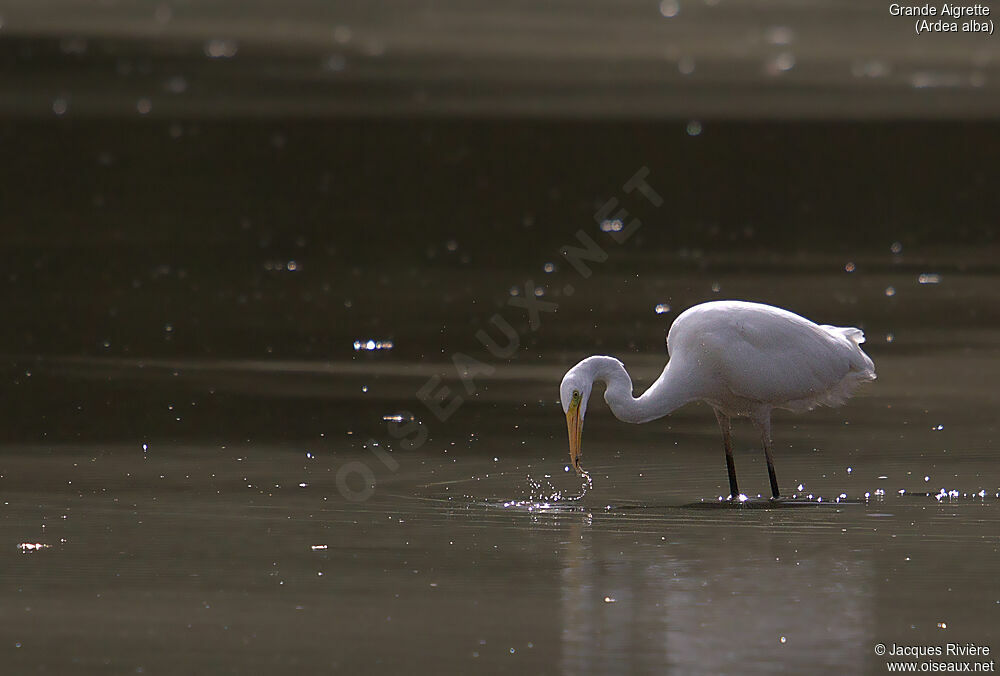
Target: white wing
[769,355]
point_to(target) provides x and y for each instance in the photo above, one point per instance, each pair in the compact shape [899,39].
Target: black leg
[724,425]
[765,437]
[734,489]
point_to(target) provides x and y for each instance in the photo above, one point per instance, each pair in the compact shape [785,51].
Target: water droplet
[661,308]
[781,63]
[669,8]
[372,345]
[25,547]
[176,85]
[342,34]
[76,46]
[694,128]
[221,49]
[929,80]
[871,68]
[779,35]
[335,63]
[890,291]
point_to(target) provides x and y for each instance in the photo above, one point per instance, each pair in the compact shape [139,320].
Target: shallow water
[209,464]
[240,552]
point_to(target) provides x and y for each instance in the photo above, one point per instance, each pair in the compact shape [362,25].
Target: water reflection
[744,597]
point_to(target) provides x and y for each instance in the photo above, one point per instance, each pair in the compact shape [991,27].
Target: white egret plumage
[743,359]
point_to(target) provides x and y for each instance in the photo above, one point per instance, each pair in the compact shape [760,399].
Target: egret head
[574,392]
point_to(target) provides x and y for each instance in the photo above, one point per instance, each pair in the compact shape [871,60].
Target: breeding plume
[742,359]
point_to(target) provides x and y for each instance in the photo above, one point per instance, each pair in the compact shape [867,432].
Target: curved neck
[668,393]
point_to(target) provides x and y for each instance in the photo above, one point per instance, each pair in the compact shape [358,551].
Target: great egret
[743,359]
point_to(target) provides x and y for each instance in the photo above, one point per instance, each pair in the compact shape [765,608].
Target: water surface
[190,431]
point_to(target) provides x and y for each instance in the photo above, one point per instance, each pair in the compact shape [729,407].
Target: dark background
[109,227]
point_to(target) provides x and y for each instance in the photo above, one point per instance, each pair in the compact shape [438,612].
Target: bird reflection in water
[710,601]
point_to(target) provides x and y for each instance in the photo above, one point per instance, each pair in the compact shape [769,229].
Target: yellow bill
[574,425]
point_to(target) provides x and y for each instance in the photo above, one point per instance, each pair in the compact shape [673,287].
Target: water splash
[543,495]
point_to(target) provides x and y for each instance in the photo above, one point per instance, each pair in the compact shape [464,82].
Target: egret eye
[576,394]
